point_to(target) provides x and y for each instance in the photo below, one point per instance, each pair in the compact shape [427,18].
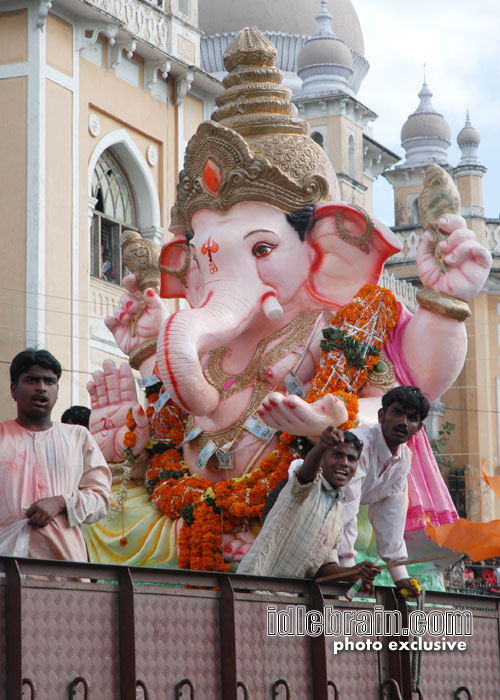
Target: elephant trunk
[187,333]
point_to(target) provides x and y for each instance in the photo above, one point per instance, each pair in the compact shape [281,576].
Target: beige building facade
[98,99]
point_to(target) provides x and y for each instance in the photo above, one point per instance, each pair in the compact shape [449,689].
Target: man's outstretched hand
[331,436]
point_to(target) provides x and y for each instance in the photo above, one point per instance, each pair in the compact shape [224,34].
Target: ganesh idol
[283,331]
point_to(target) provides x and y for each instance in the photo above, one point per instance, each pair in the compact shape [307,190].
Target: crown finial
[255,147]
[254,100]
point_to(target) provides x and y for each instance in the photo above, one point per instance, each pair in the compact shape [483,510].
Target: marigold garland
[350,349]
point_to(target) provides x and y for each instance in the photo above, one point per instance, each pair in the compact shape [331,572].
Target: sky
[458,41]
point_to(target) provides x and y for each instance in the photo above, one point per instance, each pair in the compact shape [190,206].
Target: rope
[416,655]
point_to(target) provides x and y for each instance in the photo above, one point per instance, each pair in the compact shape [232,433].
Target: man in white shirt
[54,476]
[381,479]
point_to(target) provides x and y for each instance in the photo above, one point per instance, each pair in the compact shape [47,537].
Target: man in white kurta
[54,476]
[381,479]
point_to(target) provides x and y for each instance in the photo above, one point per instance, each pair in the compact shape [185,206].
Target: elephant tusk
[272,308]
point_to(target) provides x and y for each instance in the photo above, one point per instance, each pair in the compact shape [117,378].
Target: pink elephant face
[253,244]
[247,272]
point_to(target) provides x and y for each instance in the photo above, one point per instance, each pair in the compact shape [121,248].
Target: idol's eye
[260,250]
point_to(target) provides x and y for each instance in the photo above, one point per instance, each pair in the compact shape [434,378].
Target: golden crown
[255,147]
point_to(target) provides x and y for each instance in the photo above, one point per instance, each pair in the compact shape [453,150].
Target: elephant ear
[351,248]
[175,267]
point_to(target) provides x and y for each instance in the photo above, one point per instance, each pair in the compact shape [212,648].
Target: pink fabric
[428,494]
[62,461]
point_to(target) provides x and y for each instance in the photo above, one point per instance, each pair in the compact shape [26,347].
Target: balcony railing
[493,236]
[404,292]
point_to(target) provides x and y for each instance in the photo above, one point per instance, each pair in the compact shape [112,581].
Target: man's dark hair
[300,220]
[410,396]
[77,415]
[354,439]
[26,359]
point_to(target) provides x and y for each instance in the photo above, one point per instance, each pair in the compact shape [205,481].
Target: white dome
[289,16]
[425,125]
[425,135]
[324,50]
[425,121]
[468,135]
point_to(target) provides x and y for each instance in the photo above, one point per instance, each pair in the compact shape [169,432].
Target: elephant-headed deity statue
[283,331]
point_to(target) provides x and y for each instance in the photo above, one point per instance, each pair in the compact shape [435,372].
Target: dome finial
[425,95]
[324,20]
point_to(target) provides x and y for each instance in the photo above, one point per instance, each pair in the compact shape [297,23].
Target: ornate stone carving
[88,33]
[140,19]
[183,86]
[152,155]
[116,52]
[94,124]
[151,70]
[404,292]
[43,7]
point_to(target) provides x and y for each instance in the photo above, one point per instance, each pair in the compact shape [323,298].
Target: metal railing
[126,633]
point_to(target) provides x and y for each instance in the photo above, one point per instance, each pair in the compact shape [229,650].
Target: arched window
[352,156]
[413,215]
[318,137]
[114,211]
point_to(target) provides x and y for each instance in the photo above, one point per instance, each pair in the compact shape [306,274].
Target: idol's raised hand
[466,262]
[112,394]
[139,316]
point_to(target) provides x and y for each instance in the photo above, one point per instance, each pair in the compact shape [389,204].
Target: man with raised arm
[381,479]
[54,476]
[302,532]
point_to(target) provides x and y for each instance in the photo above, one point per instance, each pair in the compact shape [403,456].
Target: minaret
[330,75]
[425,137]
[469,173]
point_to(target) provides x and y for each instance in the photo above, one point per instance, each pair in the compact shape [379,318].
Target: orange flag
[478,540]
[492,481]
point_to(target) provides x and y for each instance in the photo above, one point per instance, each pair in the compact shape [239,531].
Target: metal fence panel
[70,630]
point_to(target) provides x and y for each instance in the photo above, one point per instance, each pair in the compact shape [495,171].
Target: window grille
[114,211]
